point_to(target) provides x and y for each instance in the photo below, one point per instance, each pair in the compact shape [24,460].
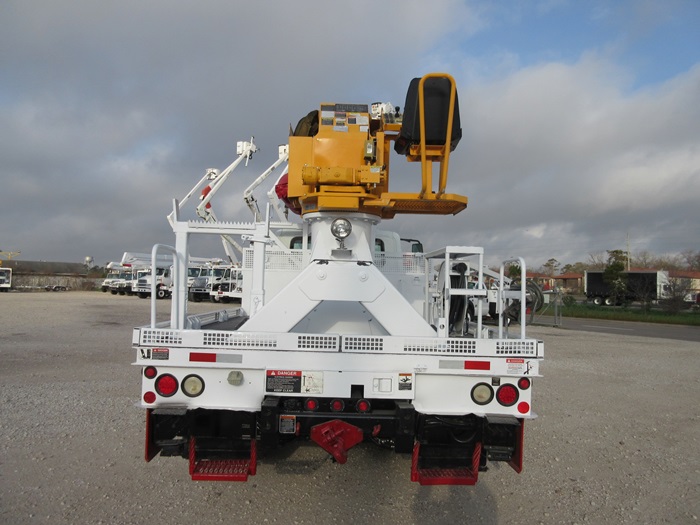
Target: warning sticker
[312,382]
[283,381]
[515,366]
[161,353]
[405,381]
[287,424]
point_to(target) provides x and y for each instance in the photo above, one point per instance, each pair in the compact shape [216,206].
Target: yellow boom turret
[339,161]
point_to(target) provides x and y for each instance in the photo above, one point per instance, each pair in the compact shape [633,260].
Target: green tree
[614,275]
[550,267]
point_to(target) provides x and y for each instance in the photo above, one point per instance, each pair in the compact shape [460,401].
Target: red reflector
[363,405]
[166,385]
[507,395]
[150,372]
[311,404]
[477,365]
[149,397]
[523,407]
[337,405]
[523,383]
[202,357]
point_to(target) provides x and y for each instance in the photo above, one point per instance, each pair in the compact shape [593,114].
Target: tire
[142,295]
[113,292]
[609,301]
[597,301]
[161,293]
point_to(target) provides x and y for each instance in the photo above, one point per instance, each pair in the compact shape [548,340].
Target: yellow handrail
[426,168]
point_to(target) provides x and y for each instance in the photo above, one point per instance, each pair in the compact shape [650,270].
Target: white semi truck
[334,342]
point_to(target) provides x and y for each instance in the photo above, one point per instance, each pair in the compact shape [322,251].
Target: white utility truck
[335,342]
[113,275]
[5,279]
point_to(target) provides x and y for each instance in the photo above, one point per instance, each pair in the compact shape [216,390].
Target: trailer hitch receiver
[336,437]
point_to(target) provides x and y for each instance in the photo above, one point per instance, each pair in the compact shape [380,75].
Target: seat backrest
[437,104]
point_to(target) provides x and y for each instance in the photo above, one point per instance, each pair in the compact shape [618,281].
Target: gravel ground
[617,440]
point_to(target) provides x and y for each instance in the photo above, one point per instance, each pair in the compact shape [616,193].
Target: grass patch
[631,313]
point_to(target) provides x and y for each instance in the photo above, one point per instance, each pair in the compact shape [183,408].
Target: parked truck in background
[5,279]
[636,285]
[200,288]
[114,269]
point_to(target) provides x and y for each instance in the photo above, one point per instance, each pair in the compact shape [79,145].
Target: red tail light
[166,385]
[507,395]
[363,406]
[150,372]
[337,405]
[523,383]
[149,397]
[311,405]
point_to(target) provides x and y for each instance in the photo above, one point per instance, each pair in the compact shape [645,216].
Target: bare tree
[675,293]
[691,259]
[643,259]
[598,260]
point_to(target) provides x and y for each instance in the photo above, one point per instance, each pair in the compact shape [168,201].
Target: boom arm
[248,196]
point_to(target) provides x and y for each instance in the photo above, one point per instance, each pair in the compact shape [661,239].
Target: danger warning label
[515,366]
[283,381]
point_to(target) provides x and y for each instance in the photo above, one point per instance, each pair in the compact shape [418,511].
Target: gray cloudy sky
[580,119]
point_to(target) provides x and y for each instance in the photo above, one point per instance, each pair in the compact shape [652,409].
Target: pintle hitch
[336,437]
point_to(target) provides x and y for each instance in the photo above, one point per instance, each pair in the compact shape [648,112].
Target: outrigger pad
[437,106]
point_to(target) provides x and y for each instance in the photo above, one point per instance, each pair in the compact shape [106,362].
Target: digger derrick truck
[335,343]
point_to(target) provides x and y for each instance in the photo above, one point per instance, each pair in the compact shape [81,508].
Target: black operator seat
[437,106]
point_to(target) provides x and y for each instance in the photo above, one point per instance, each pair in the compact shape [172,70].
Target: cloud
[107,116]
[565,150]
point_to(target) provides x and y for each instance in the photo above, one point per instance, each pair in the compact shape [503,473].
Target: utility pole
[628,251]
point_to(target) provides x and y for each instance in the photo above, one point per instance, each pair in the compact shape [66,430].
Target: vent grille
[363,344]
[160,337]
[448,346]
[276,260]
[516,348]
[407,263]
[239,340]
[317,342]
